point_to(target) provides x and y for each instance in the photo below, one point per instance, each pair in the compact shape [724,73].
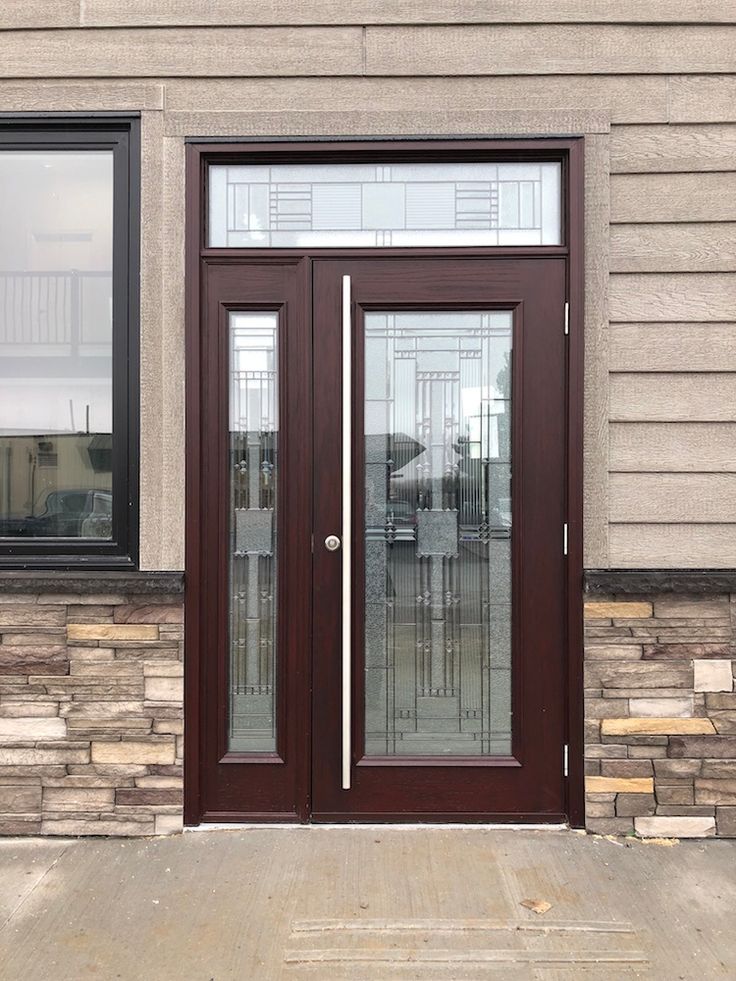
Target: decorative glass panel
[253,469]
[438,533]
[56,344]
[368,205]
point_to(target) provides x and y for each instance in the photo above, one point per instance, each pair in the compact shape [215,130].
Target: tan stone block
[619,785]
[125,828]
[105,669]
[78,799]
[715,791]
[29,710]
[168,824]
[613,652]
[153,780]
[164,689]
[100,709]
[20,799]
[29,639]
[675,827]
[675,794]
[634,805]
[691,607]
[24,756]
[680,707]
[157,613]
[599,809]
[726,820]
[654,726]
[713,676]
[112,631]
[32,616]
[173,727]
[626,610]
[33,729]
[93,653]
[163,669]
[133,751]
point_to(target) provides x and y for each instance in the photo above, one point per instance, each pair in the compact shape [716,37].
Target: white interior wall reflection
[56,244]
[399,205]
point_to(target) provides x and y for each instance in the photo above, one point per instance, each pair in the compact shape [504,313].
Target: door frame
[199,154]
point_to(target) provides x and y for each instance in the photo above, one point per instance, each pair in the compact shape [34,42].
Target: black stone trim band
[611,581]
[140,583]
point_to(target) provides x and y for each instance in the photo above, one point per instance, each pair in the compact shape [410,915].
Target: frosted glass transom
[370,205]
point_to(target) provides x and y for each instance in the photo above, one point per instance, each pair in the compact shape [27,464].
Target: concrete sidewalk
[366,903]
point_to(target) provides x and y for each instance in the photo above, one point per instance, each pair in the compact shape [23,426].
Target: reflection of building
[35,468]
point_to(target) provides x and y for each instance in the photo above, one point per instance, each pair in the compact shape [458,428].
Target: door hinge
[564,539]
[567,317]
[564,760]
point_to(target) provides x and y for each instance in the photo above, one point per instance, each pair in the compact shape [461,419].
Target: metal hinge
[567,317]
[564,760]
[564,539]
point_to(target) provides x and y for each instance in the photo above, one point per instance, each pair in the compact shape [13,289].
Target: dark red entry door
[382,544]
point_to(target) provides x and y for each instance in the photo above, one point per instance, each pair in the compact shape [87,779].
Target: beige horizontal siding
[639,100]
[673,447]
[673,197]
[672,347]
[242,13]
[244,51]
[702,99]
[681,397]
[553,49]
[661,437]
[672,296]
[689,247]
[695,545]
[673,149]
[672,497]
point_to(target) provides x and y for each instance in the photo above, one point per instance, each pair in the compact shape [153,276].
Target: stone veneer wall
[660,708]
[91,714]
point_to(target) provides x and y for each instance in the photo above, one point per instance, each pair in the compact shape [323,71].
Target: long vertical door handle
[347,598]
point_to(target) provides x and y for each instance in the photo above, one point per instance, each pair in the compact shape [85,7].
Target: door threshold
[404,826]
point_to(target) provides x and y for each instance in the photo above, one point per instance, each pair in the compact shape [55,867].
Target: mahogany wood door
[451,460]
[412,412]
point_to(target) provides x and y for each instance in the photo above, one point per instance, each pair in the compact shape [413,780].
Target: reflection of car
[72,514]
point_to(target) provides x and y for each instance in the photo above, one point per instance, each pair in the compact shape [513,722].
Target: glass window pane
[438,533]
[253,437]
[371,205]
[56,344]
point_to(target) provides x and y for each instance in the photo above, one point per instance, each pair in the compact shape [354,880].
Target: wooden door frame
[199,154]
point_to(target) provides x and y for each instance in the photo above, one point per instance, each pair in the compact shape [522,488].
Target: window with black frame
[68,327]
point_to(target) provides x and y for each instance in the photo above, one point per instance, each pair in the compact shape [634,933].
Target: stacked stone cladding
[660,709]
[91,720]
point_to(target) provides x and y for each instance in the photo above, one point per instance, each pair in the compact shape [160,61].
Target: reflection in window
[56,343]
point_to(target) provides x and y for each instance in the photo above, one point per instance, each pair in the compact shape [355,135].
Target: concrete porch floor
[321,904]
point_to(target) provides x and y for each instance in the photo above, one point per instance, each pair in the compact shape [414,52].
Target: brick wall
[660,708]
[91,714]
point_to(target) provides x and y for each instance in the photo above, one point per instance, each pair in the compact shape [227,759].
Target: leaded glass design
[252,536]
[438,533]
[370,205]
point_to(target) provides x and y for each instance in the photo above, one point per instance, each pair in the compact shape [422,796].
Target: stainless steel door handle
[332,543]
[347,458]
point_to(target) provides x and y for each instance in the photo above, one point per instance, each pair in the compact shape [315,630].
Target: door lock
[332,543]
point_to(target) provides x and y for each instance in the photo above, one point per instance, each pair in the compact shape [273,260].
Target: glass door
[438,616]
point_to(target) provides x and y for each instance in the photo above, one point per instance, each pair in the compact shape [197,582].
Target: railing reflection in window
[253,471]
[438,533]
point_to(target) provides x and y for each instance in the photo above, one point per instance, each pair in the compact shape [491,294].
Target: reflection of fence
[55,307]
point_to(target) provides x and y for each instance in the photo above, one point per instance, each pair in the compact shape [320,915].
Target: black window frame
[120,134]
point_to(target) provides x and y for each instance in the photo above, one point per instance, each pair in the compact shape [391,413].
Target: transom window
[373,205]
